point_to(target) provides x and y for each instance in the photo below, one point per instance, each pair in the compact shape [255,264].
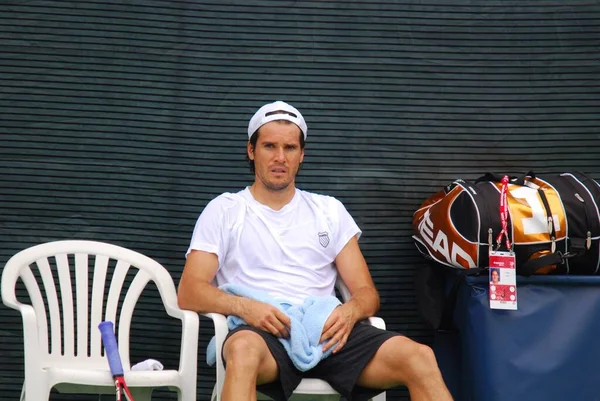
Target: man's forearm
[205,298]
[364,303]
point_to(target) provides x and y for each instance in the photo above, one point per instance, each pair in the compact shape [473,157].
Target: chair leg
[35,392]
[185,393]
[215,396]
[142,393]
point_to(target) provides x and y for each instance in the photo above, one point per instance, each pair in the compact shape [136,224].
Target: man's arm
[354,272]
[197,293]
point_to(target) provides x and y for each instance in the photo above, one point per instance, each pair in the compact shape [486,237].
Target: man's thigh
[389,366]
[342,370]
[278,377]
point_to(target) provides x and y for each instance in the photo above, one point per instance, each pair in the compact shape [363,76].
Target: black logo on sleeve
[324,239]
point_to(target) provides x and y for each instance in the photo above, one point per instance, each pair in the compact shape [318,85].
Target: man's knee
[245,349]
[418,358]
[421,359]
[426,355]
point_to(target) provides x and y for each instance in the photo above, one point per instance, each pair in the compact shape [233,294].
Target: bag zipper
[551,227]
[588,238]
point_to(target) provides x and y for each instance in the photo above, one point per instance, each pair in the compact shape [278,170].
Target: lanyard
[504,213]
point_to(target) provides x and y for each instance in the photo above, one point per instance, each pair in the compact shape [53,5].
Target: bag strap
[578,245]
[520,180]
[488,177]
[533,265]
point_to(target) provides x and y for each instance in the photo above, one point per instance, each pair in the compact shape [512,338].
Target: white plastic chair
[80,366]
[315,388]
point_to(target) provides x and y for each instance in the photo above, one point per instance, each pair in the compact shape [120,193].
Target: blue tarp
[549,349]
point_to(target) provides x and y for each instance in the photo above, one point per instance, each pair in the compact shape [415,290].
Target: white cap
[268,113]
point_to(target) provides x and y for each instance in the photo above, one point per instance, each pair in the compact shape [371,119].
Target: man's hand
[337,328]
[266,317]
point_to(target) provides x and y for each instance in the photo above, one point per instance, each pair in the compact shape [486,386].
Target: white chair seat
[314,386]
[163,378]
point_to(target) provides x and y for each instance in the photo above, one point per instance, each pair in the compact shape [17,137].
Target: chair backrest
[67,312]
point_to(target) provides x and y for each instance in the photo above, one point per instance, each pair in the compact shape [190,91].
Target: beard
[277,185]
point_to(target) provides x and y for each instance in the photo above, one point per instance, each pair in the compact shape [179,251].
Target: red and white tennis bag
[553,223]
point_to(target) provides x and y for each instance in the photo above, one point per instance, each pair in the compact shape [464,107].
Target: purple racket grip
[112,350]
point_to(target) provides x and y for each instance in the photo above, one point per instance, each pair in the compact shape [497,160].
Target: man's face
[277,155]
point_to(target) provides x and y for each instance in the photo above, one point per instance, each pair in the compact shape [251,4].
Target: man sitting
[292,244]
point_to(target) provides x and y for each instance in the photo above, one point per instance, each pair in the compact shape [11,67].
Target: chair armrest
[377,322]
[221,330]
[189,342]
[30,335]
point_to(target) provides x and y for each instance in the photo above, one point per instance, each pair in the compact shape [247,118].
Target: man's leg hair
[248,363]
[402,361]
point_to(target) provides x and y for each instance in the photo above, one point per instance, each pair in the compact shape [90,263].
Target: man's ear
[250,150]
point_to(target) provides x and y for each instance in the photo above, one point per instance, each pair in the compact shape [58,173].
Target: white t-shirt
[288,253]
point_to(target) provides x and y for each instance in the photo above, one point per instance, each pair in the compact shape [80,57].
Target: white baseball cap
[276,111]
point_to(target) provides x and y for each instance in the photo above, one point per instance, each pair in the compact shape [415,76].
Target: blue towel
[307,321]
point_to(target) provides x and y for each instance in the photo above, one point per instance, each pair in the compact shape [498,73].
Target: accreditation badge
[503,280]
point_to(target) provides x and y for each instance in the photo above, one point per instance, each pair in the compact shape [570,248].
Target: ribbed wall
[119,121]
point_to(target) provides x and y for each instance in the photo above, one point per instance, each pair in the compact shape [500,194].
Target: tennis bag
[553,223]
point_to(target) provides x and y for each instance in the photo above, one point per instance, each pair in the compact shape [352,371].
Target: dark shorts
[340,370]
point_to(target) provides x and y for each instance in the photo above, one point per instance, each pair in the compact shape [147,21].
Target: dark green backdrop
[120,120]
